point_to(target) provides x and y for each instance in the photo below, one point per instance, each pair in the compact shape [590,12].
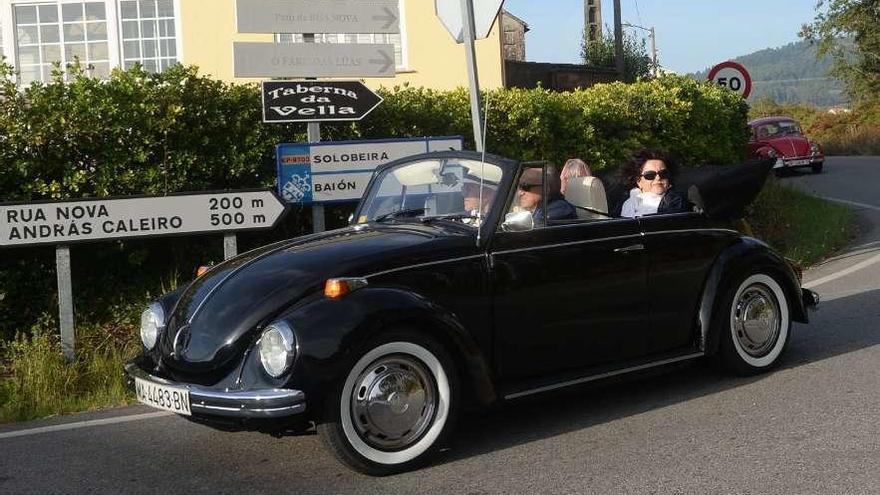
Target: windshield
[440,188]
[778,129]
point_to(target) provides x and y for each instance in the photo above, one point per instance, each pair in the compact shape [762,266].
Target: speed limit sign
[733,76]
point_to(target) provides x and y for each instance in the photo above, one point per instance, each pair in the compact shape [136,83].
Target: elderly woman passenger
[574,167]
[650,174]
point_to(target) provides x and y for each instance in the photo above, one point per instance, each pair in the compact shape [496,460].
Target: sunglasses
[651,174]
[529,187]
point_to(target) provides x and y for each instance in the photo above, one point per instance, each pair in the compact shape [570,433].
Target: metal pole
[654,49]
[65,301]
[314,136]
[618,40]
[467,10]
[230,245]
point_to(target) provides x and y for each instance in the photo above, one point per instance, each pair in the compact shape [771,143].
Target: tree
[849,30]
[636,61]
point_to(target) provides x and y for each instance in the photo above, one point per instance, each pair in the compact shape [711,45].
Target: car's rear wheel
[395,406]
[754,325]
[817,167]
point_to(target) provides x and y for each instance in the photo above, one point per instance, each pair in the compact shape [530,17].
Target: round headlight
[814,147]
[152,322]
[277,348]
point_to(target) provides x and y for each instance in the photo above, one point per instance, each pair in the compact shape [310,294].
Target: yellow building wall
[432,57]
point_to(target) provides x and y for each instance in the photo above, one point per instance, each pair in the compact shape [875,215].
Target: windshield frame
[490,220]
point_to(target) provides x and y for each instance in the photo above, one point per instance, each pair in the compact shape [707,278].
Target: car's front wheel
[817,167]
[754,325]
[396,404]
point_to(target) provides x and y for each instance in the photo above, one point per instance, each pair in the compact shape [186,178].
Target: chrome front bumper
[250,404]
[801,161]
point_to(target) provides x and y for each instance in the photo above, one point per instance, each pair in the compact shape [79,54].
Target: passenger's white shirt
[640,203]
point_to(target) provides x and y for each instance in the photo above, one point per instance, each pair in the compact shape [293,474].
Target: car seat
[587,194]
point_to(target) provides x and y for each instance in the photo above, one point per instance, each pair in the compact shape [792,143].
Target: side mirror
[350,218]
[520,221]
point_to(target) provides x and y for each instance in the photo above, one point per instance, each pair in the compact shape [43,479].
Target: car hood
[216,317]
[790,146]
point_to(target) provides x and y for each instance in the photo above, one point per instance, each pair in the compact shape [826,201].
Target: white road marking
[852,203]
[83,424]
[834,276]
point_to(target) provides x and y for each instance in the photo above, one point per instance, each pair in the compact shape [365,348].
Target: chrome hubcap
[393,402]
[757,321]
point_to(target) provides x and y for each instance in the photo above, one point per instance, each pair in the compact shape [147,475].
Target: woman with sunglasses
[650,173]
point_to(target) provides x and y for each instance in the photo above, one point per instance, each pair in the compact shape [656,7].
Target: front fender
[733,264]
[332,332]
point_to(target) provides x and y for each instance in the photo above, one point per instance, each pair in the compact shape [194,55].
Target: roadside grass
[36,381]
[801,227]
[863,140]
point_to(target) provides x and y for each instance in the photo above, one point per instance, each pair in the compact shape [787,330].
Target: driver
[470,191]
[531,190]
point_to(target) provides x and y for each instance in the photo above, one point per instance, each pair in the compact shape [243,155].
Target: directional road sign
[313,101]
[733,76]
[317,16]
[485,13]
[313,60]
[115,218]
[340,171]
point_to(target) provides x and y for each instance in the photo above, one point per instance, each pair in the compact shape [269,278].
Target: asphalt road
[810,427]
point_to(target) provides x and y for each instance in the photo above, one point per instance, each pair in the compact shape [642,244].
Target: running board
[601,376]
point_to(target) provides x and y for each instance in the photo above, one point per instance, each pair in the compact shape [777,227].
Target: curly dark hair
[629,172]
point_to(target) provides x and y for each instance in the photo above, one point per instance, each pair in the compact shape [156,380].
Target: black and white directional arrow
[386,62]
[390,18]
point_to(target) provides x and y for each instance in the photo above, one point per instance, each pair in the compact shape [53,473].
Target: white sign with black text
[254,59]
[101,219]
[317,16]
[340,171]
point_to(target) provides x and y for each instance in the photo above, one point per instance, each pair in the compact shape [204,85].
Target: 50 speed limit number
[733,76]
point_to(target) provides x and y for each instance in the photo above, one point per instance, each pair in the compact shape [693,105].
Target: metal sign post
[314,136]
[467,8]
[65,301]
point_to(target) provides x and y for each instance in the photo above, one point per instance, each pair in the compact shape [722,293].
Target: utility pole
[618,40]
[593,20]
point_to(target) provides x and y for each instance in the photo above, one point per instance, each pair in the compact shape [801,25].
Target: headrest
[587,192]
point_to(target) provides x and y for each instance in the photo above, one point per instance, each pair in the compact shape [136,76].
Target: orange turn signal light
[335,288]
[202,270]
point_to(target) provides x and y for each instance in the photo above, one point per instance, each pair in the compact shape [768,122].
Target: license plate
[171,399]
[798,163]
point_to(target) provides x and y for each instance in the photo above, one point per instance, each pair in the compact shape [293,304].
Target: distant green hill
[790,74]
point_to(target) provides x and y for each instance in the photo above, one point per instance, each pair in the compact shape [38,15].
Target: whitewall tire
[757,323]
[396,404]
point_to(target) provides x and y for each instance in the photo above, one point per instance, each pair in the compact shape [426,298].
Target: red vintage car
[783,139]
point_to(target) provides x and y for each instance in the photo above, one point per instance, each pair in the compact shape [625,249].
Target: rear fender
[733,264]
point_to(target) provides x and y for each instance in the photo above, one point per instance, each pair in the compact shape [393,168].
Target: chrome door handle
[629,249]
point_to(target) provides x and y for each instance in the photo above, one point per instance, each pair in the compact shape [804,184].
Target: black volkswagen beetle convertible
[447,291]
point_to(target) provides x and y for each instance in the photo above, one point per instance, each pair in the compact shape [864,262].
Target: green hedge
[141,133]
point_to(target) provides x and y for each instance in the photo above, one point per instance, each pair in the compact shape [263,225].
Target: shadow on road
[827,336]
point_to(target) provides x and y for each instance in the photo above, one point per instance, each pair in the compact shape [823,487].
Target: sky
[692,35]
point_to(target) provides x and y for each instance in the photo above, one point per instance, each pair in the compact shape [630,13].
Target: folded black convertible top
[722,192]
